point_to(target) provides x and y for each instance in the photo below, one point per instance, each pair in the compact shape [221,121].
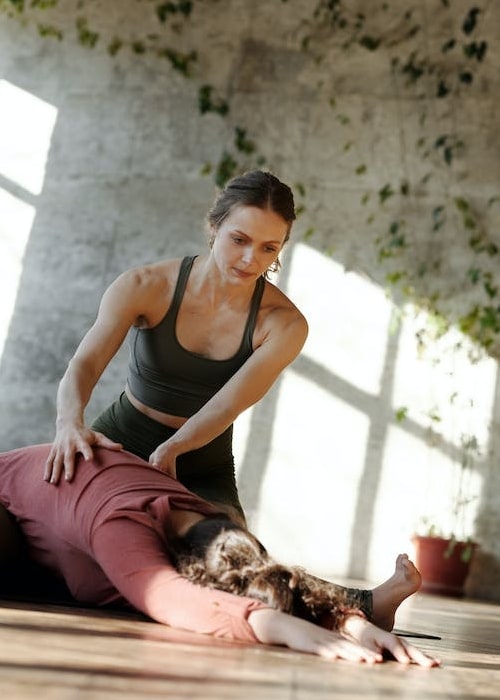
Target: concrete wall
[100,169]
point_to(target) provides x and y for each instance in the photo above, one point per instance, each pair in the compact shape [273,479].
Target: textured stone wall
[101,168]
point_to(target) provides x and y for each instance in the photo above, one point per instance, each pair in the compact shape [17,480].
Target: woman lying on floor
[123,534]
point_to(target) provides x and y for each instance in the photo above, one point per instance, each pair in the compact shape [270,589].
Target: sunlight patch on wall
[448,387]
[26,126]
[15,227]
[348,317]
[417,488]
[311,483]
[433,460]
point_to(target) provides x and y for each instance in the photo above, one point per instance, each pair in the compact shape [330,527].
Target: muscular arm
[130,298]
[253,380]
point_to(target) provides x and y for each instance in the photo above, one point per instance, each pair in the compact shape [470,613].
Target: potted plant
[443,557]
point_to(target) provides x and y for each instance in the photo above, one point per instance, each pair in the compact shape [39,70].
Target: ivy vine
[444,74]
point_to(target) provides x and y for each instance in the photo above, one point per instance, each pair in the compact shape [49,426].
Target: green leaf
[438,217]
[165,9]
[401,414]
[343,119]
[114,46]
[138,47]
[180,62]
[448,154]
[469,223]
[369,42]
[385,193]
[476,50]
[470,21]
[448,45]
[442,89]
[490,290]
[242,143]
[50,30]
[299,186]
[226,168]
[462,204]
[474,275]
[394,277]
[206,103]
[86,37]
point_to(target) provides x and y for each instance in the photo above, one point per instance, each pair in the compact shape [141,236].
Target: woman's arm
[127,300]
[358,640]
[282,343]
[142,573]
[275,627]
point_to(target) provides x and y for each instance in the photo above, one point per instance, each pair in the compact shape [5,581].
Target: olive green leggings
[208,472]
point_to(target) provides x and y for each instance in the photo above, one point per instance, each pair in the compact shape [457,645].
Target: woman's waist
[167,419]
[141,434]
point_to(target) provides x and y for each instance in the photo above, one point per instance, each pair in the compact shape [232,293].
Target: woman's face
[248,242]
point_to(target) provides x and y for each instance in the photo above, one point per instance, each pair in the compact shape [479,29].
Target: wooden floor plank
[55,653]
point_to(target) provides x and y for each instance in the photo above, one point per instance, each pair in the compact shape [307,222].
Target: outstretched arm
[253,380]
[125,301]
[141,572]
[275,627]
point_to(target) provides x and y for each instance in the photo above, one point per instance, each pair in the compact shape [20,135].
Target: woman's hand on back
[164,458]
[69,442]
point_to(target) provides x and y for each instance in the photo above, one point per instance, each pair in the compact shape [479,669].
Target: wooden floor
[58,652]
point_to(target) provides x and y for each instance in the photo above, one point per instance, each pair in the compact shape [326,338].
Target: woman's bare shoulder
[278,312]
[150,286]
[276,300]
[153,277]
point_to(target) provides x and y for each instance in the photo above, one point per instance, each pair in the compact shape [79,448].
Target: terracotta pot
[443,563]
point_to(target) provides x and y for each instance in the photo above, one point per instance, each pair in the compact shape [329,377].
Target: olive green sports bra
[171,379]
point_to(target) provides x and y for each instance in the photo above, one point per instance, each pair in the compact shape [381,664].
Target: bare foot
[389,595]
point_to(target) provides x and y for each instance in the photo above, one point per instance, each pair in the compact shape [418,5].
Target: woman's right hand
[358,641]
[369,636]
[69,442]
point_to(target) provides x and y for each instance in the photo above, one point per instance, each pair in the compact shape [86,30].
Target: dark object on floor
[417,635]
